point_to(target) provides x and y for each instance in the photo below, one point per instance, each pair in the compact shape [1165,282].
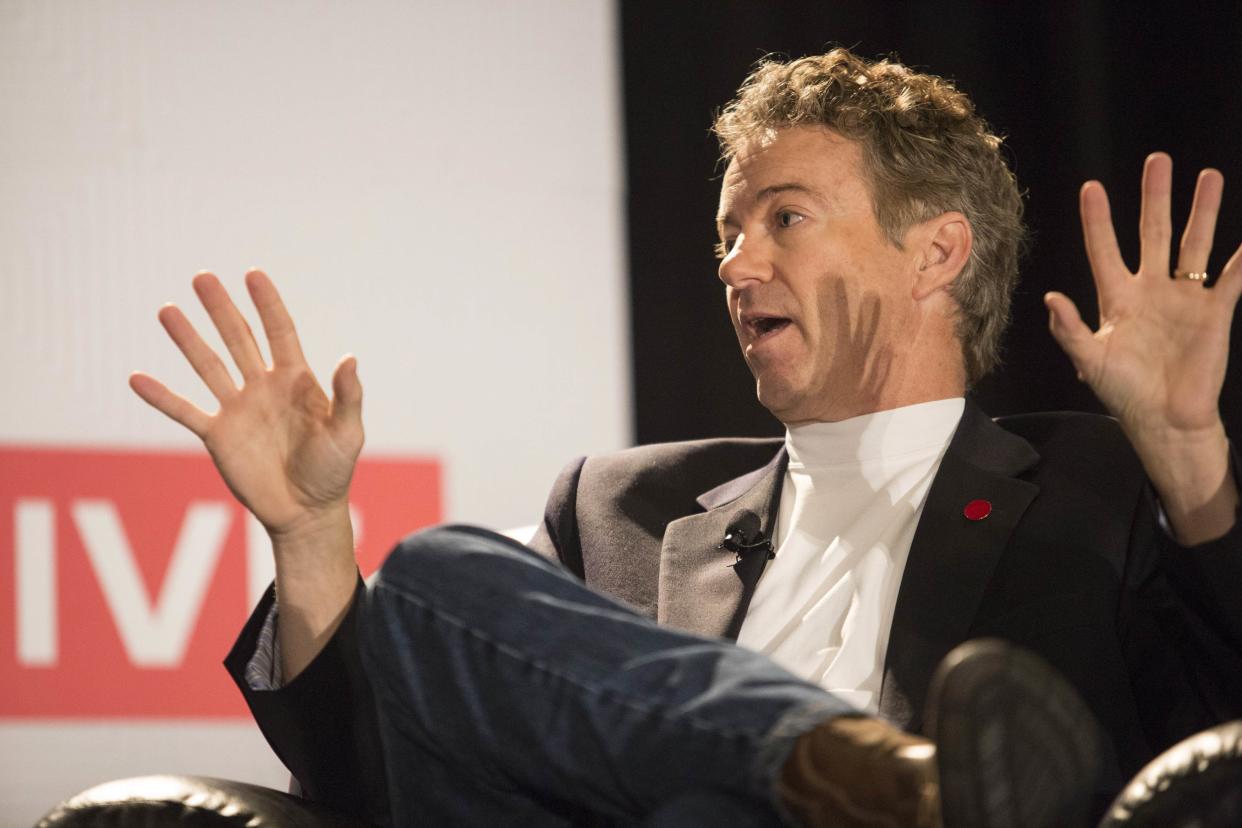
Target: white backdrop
[435,186]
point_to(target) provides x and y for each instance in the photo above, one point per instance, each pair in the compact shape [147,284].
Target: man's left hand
[1158,360]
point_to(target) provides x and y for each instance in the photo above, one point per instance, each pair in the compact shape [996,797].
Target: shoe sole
[1015,745]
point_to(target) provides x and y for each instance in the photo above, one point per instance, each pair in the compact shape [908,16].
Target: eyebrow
[774,190]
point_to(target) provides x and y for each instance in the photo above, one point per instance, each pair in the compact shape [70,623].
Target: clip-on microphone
[743,535]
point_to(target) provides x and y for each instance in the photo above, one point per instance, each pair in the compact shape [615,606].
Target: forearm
[316,573]
[1193,477]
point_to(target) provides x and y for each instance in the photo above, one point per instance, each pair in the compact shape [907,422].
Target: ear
[943,248]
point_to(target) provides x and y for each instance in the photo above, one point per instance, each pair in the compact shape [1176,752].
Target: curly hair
[925,152]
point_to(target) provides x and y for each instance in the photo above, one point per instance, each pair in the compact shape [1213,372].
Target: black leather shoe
[1015,745]
[1011,746]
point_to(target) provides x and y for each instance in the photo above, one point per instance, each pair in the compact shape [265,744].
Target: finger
[233,328]
[1229,285]
[1070,332]
[1155,222]
[1196,244]
[282,338]
[346,394]
[155,394]
[198,353]
[1100,240]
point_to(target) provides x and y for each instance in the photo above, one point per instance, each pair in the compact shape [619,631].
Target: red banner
[126,575]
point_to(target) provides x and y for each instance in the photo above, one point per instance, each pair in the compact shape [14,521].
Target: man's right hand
[285,450]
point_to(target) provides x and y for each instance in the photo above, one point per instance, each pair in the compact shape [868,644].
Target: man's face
[820,299]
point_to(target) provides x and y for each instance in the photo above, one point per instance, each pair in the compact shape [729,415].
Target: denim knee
[451,553]
[421,562]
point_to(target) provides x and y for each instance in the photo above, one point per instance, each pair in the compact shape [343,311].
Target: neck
[887,398]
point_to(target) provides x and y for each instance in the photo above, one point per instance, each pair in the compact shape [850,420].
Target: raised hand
[285,450]
[1157,360]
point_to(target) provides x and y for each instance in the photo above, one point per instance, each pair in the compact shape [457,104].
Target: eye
[788,218]
[723,247]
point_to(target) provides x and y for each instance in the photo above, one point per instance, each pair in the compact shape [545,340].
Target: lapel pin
[977,509]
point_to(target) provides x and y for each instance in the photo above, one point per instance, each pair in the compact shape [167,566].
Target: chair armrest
[190,801]
[1197,782]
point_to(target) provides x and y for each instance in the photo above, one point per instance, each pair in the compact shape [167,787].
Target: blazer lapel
[701,591]
[952,558]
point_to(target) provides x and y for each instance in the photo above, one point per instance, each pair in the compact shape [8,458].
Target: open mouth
[761,327]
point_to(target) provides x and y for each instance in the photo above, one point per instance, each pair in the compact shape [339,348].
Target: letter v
[155,633]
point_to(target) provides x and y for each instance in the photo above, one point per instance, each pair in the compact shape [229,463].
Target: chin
[779,400]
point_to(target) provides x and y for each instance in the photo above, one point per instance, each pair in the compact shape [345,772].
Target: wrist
[1192,474]
[319,544]
[1187,467]
[312,526]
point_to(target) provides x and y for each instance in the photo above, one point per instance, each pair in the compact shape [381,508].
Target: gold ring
[1190,275]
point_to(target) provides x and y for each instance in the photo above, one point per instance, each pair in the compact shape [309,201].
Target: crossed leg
[538,700]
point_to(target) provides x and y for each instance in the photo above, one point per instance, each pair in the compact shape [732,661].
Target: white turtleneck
[851,499]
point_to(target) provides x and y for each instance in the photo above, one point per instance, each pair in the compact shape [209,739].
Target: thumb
[346,395]
[1068,329]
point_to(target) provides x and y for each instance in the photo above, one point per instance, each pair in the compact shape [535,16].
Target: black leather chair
[1197,783]
[190,802]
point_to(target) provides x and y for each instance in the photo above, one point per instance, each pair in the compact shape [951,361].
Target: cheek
[855,314]
[836,303]
[731,305]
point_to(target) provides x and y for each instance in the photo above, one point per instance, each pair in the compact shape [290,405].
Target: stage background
[436,187]
[439,188]
[1082,89]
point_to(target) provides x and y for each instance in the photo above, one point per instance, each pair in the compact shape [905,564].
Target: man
[869,234]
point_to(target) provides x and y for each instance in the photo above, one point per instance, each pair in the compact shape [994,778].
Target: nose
[746,264]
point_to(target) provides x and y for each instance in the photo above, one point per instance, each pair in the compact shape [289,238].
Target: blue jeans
[511,694]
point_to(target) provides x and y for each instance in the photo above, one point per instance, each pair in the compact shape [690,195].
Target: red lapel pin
[977,509]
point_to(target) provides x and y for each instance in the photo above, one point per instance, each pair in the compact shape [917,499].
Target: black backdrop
[1081,90]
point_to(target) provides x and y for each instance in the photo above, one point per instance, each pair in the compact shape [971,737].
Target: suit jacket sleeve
[1184,605]
[1209,576]
[322,725]
[557,536]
